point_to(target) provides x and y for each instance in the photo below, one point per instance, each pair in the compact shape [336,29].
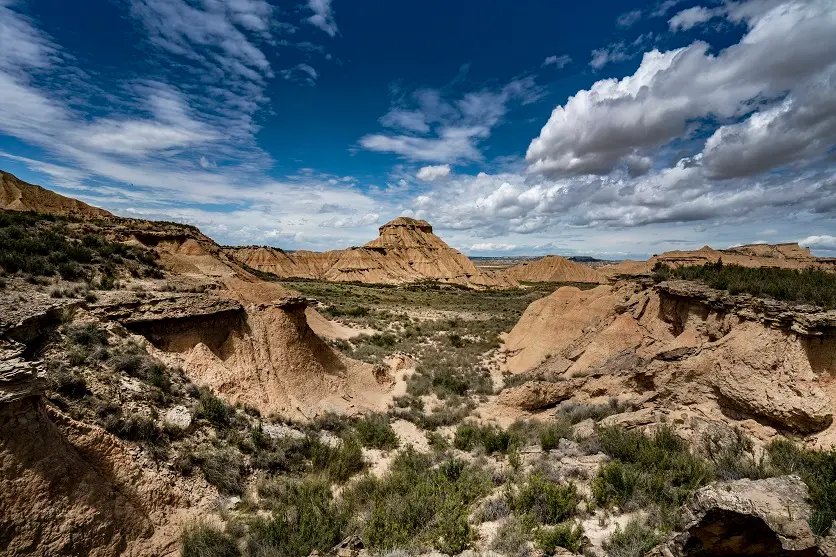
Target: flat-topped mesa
[786,255]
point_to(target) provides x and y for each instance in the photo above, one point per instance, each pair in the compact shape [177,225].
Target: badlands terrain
[163,395]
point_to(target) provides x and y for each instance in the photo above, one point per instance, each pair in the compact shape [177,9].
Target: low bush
[134,428]
[417,504]
[513,537]
[69,383]
[490,438]
[223,468]
[205,540]
[567,535]
[337,463]
[213,409]
[375,431]
[304,518]
[636,539]
[547,501]
[656,469]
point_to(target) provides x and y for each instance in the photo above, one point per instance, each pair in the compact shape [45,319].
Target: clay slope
[406,251]
[680,352]
[17,195]
[553,268]
[787,256]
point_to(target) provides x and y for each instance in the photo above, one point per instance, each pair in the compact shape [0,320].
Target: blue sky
[613,128]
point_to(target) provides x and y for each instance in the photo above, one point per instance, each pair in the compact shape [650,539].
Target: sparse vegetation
[205,540]
[636,539]
[658,469]
[549,502]
[808,286]
[374,431]
[45,245]
[567,535]
[419,503]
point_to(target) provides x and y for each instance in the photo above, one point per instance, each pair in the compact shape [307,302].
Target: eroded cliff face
[406,251]
[681,352]
[70,488]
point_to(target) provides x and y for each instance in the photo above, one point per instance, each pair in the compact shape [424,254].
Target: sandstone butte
[787,256]
[553,268]
[406,251]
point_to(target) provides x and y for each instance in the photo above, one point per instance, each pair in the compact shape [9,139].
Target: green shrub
[417,504]
[491,438]
[636,539]
[338,463]
[204,540]
[567,535]
[224,469]
[304,518]
[70,384]
[810,286]
[658,468]
[733,456]
[375,431]
[213,409]
[551,433]
[133,428]
[549,502]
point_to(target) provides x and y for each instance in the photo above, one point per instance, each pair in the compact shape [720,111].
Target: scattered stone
[179,417]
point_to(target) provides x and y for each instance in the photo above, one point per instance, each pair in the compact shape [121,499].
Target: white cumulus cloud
[430,173]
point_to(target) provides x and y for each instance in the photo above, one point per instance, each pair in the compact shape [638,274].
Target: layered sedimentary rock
[679,345]
[406,251]
[17,195]
[787,256]
[553,268]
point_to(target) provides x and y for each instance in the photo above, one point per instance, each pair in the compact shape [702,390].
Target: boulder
[535,395]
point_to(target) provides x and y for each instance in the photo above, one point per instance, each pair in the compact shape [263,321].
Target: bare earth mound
[17,195]
[406,251]
[553,268]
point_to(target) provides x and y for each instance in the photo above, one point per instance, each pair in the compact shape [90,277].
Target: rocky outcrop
[406,251]
[534,395]
[553,268]
[787,256]
[678,347]
[17,195]
[746,518]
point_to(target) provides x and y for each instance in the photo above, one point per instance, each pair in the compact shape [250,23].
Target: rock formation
[747,518]
[17,195]
[787,256]
[677,346]
[553,268]
[406,251]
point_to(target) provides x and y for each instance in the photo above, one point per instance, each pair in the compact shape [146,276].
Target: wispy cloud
[557,61]
[629,19]
[323,16]
[438,129]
